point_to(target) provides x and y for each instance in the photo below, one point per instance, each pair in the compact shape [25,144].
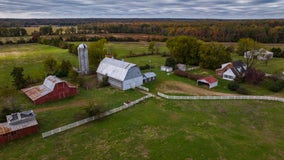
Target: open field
[154,129]
[163,129]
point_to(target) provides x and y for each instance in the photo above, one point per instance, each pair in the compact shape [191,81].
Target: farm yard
[154,129]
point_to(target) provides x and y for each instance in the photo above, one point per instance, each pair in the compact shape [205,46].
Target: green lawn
[154,129]
[125,48]
[164,129]
[30,57]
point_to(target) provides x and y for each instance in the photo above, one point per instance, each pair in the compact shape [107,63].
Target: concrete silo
[83,59]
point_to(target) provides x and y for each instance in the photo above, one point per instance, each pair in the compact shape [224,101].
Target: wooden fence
[102,115]
[221,97]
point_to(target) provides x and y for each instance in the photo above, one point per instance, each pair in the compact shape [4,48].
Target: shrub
[147,66]
[233,86]
[254,76]
[180,73]
[93,109]
[243,91]
[104,82]
[276,86]
[170,62]
[277,52]
[194,77]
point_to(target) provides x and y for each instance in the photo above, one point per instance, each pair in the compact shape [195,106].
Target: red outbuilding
[53,88]
[18,125]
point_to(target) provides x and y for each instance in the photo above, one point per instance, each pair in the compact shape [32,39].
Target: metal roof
[209,79]
[47,87]
[6,127]
[114,68]
[82,46]
[51,81]
[149,74]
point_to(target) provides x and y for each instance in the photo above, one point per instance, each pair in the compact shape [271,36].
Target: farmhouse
[210,81]
[261,54]
[18,125]
[120,74]
[52,88]
[230,71]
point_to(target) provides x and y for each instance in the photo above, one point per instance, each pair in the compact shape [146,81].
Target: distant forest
[265,31]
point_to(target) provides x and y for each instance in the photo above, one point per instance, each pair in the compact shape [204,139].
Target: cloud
[142,9]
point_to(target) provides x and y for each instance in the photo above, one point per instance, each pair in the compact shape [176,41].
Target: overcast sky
[220,9]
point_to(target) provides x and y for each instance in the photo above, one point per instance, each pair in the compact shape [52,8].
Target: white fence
[102,115]
[221,97]
[143,88]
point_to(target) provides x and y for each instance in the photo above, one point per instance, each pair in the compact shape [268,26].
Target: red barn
[53,88]
[18,125]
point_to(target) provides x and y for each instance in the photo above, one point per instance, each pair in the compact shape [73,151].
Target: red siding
[61,90]
[18,134]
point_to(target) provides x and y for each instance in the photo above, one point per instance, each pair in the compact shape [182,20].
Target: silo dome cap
[82,46]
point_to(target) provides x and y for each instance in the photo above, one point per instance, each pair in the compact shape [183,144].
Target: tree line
[13,32]
[265,31]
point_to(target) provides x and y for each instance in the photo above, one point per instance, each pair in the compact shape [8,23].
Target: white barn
[121,75]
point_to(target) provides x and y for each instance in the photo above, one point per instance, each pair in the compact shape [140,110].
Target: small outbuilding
[148,77]
[120,74]
[181,67]
[18,125]
[210,81]
[52,88]
[166,68]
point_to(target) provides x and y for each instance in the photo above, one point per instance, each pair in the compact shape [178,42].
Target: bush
[277,52]
[194,77]
[170,62]
[180,73]
[147,66]
[254,76]
[233,86]
[93,109]
[276,86]
[243,91]
[104,82]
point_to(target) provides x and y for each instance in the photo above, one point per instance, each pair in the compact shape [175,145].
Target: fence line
[102,115]
[221,97]
[143,88]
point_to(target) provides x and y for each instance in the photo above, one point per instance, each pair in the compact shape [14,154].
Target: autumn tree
[213,55]
[251,47]
[184,49]
[46,30]
[18,77]
[254,76]
[97,52]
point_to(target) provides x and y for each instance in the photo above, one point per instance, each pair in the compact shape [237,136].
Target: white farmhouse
[120,74]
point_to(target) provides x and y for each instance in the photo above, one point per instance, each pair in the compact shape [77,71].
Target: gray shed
[122,75]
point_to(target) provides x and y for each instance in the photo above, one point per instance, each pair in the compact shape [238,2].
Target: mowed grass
[123,49]
[154,129]
[30,57]
[165,129]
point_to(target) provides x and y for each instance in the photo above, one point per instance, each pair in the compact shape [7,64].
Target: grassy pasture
[164,129]
[155,129]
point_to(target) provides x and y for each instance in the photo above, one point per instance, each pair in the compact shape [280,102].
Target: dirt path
[183,88]
[69,105]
